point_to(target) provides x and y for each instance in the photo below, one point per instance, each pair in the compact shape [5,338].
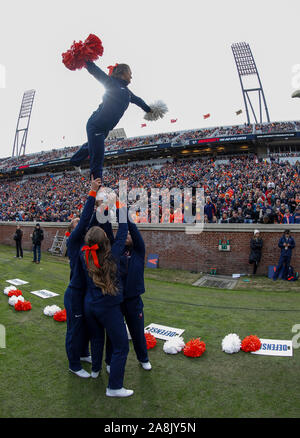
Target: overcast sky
[179,52]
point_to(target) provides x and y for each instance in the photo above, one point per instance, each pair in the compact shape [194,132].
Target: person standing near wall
[286,244]
[18,239]
[37,238]
[256,245]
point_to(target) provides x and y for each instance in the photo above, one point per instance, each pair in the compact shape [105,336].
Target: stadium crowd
[266,128]
[243,189]
[171,137]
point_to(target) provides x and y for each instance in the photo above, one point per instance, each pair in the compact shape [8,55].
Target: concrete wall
[194,252]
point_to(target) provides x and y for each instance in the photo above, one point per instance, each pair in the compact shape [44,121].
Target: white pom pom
[231,343]
[8,289]
[174,346]
[13,300]
[51,310]
[158,110]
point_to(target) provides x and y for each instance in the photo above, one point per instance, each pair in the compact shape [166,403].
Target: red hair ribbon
[111,69]
[92,250]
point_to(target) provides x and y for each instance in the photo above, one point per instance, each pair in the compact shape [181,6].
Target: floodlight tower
[246,66]
[25,113]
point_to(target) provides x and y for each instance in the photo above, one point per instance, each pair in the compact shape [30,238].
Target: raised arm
[95,71]
[139,102]
[137,240]
[79,231]
[117,248]
[93,221]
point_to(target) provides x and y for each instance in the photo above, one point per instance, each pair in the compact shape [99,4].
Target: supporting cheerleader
[76,336]
[101,263]
[132,276]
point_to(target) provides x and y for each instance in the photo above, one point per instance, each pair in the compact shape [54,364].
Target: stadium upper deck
[217,136]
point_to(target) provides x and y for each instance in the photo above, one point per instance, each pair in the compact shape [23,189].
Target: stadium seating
[233,182]
[172,137]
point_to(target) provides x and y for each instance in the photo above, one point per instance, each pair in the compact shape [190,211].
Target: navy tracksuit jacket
[103,312]
[77,336]
[115,102]
[285,257]
[132,276]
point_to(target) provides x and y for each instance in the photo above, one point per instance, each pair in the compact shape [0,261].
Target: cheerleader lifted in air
[115,101]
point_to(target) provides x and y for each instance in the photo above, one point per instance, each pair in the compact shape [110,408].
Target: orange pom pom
[194,348]
[150,340]
[22,306]
[16,292]
[60,316]
[250,343]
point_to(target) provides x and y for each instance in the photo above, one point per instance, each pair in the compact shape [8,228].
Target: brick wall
[194,252]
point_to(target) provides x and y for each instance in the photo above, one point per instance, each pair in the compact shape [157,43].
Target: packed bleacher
[267,128]
[176,137]
[238,189]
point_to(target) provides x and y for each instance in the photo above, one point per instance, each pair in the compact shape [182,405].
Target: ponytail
[100,265]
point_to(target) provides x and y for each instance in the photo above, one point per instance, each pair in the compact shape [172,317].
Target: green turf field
[35,381]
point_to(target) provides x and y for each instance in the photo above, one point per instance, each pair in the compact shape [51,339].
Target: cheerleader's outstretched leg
[96,137]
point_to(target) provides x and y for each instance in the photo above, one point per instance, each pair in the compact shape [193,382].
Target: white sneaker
[81,373]
[119,392]
[86,359]
[108,368]
[95,374]
[146,365]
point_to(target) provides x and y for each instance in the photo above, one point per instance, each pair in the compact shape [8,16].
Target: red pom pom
[194,348]
[27,305]
[150,340]
[79,53]
[67,234]
[16,292]
[22,306]
[60,316]
[73,58]
[250,343]
[93,47]
[19,306]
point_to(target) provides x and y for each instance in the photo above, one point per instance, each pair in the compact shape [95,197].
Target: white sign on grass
[44,293]
[17,282]
[163,332]
[271,347]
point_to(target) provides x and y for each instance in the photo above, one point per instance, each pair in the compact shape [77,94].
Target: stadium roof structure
[246,66]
